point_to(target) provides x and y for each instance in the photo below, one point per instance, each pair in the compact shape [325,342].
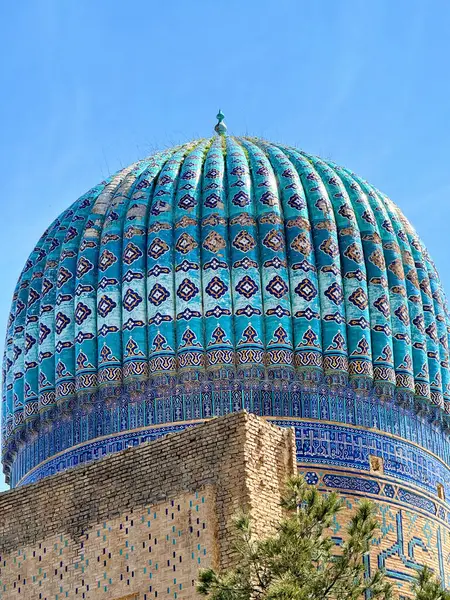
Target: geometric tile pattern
[227,259]
[330,429]
[414,528]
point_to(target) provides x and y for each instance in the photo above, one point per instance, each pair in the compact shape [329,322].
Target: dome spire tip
[220,128]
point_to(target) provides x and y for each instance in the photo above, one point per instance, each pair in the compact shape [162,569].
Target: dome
[209,277]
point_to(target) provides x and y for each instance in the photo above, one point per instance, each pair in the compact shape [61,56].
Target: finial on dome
[220,128]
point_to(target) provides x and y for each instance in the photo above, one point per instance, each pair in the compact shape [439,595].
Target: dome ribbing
[228,260]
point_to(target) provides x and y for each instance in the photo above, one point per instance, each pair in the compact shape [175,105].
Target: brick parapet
[237,462]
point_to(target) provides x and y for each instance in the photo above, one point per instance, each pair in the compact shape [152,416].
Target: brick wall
[143,520]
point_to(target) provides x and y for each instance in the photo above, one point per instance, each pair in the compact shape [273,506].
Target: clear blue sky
[89,86]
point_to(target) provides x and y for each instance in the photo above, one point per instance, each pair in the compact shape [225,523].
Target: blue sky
[88,87]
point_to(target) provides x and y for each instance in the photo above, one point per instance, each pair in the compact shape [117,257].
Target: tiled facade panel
[414,526]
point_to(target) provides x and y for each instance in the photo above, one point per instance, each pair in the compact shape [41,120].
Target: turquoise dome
[227,261]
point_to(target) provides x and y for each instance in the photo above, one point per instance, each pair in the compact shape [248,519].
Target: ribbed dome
[224,259]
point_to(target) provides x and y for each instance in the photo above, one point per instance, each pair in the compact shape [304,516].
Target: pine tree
[300,561]
[428,587]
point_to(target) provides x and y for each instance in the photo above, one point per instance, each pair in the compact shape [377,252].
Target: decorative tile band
[352,483]
[351,448]
[85,453]
[317,442]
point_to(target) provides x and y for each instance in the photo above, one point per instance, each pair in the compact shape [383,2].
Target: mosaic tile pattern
[324,412]
[223,259]
[316,442]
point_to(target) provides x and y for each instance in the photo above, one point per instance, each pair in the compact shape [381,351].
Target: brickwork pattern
[156,550]
[143,520]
